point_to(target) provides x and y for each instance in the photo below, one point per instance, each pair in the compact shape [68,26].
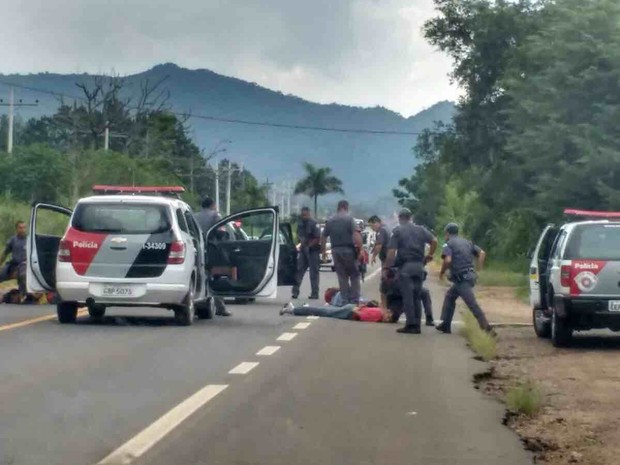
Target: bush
[481,342]
[525,398]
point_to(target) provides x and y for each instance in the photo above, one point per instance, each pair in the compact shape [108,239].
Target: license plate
[614,305]
[117,291]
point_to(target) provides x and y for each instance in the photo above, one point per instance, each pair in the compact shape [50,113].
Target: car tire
[542,323]
[96,311]
[561,332]
[67,312]
[184,314]
[204,309]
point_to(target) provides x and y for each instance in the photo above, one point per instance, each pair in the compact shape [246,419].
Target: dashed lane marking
[243,368]
[301,325]
[313,317]
[39,319]
[268,350]
[287,337]
[152,434]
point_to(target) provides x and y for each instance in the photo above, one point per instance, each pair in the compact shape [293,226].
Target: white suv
[137,246]
[575,277]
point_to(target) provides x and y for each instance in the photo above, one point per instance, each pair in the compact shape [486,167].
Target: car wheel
[542,323]
[204,309]
[96,311]
[67,312]
[561,332]
[184,314]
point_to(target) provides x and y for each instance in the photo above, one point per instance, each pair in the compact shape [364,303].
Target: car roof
[152,199]
[573,224]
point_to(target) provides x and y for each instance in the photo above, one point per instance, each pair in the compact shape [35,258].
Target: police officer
[406,249]
[346,243]
[458,257]
[206,218]
[309,237]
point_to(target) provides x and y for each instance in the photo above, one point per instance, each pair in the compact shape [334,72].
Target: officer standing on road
[346,243]
[406,249]
[458,256]
[381,245]
[206,218]
[309,237]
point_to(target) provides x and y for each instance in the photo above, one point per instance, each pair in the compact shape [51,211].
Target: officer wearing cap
[309,253]
[346,242]
[406,249]
[458,257]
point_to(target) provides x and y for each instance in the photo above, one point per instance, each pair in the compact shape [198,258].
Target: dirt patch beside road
[580,420]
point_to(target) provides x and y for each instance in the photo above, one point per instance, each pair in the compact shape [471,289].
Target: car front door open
[242,252]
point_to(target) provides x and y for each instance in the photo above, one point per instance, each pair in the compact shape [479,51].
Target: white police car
[141,246]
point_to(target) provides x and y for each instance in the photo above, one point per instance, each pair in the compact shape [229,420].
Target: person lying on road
[347,312]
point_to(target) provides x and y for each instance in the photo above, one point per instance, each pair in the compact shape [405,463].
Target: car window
[121,218]
[181,221]
[194,230]
[595,242]
[557,248]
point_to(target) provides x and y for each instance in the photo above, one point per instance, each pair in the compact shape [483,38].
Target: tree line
[57,158]
[538,126]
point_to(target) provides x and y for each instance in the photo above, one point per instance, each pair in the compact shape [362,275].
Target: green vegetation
[318,181]
[536,130]
[525,399]
[481,342]
[59,158]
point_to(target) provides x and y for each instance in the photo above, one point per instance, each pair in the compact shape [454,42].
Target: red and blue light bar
[165,190]
[591,214]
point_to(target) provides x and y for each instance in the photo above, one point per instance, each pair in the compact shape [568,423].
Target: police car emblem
[118,240]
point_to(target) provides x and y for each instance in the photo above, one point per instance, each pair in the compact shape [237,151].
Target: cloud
[361,52]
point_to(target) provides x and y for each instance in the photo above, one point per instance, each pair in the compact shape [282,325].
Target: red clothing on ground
[369,314]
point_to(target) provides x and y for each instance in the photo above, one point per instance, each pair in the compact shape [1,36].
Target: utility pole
[228,184]
[191,174]
[12,105]
[217,186]
[106,138]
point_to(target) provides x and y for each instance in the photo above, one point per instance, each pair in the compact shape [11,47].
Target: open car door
[48,223]
[287,263]
[539,273]
[242,253]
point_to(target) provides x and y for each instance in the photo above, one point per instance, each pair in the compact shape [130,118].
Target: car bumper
[589,313]
[143,294]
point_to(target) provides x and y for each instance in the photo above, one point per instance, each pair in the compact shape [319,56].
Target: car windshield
[595,242]
[121,218]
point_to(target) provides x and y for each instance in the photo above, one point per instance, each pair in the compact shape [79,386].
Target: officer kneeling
[407,248]
[458,256]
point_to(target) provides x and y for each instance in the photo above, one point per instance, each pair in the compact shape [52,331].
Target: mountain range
[369,165]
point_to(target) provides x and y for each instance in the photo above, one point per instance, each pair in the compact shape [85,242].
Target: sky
[354,52]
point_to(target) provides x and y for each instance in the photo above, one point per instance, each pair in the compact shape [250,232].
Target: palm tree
[318,181]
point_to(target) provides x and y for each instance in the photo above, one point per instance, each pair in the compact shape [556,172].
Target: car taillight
[565,276]
[177,253]
[64,251]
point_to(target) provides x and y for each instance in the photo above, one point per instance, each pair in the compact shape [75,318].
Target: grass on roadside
[481,342]
[498,275]
[525,398]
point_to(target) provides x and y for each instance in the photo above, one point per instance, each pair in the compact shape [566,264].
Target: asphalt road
[137,389]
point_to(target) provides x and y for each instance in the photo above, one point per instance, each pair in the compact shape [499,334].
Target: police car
[575,276]
[141,246]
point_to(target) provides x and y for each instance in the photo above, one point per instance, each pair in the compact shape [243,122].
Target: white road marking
[412,413]
[301,325]
[243,368]
[154,433]
[313,317]
[286,337]
[268,350]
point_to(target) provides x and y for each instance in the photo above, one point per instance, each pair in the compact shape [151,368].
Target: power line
[239,121]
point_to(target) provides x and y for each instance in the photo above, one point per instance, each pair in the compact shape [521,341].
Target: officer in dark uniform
[346,241]
[406,249]
[458,257]
[309,237]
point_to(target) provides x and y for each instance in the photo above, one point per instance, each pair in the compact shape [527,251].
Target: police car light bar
[164,190]
[591,214]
